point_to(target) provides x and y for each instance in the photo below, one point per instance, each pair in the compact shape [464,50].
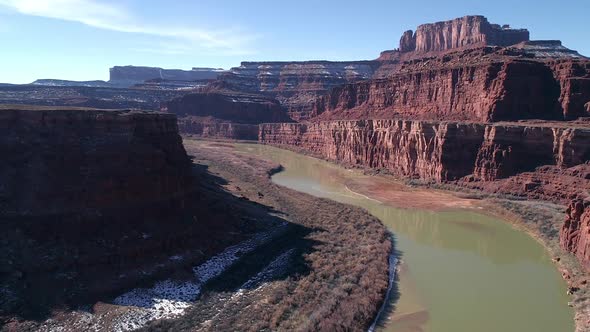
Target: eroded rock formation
[464,32]
[575,233]
[296,84]
[61,161]
[482,85]
[212,128]
[225,114]
[236,107]
[437,151]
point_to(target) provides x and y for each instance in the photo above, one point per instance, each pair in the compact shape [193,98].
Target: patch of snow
[169,298]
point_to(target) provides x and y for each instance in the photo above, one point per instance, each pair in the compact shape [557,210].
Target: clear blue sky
[81,39]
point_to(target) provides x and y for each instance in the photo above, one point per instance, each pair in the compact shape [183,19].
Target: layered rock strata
[85,161]
[575,233]
[482,85]
[296,84]
[211,128]
[224,114]
[228,106]
[437,151]
[468,31]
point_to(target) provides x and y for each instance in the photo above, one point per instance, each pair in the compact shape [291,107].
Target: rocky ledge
[438,151]
[483,85]
[575,233]
[62,160]
[225,114]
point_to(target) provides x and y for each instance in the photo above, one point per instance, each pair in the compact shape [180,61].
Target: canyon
[91,194]
[467,103]
[106,223]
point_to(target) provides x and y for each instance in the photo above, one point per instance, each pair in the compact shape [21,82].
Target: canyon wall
[295,84]
[575,233]
[225,114]
[475,85]
[208,128]
[437,151]
[468,31]
[62,161]
[228,106]
[130,75]
[573,76]
[482,92]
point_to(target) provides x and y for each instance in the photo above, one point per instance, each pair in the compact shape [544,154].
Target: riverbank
[246,255]
[329,284]
[541,220]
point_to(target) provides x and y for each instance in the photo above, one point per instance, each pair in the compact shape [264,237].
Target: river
[460,270]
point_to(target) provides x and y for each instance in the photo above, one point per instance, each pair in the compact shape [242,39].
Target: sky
[82,39]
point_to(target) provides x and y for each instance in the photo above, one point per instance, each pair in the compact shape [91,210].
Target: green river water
[461,271]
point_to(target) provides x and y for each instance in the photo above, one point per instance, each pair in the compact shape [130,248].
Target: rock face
[295,84]
[130,75]
[465,32]
[228,106]
[482,85]
[429,77]
[549,183]
[61,161]
[437,151]
[573,76]
[210,128]
[575,233]
[225,114]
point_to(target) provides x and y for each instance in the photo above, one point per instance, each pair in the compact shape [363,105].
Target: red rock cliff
[72,161]
[228,106]
[481,85]
[575,233]
[436,151]
[460,33]
[481,92]
[295,84]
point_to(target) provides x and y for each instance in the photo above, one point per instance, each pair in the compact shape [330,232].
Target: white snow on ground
[276,267]
[169,298]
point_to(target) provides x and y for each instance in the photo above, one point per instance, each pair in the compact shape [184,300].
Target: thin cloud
[117,18]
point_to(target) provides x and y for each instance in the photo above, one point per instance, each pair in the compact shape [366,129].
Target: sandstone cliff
[80,161]
[228,106]
[212,128]
[295,84]
[482,85]
[437,151]
[575,233]
[464,32]
[225,114]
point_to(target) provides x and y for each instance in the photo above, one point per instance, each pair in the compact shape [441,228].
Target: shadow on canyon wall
[64,262]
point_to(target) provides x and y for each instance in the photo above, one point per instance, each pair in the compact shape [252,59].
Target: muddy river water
[460,270]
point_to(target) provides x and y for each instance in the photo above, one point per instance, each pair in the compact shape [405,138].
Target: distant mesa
[468,31]
[131,75]
[54,82]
